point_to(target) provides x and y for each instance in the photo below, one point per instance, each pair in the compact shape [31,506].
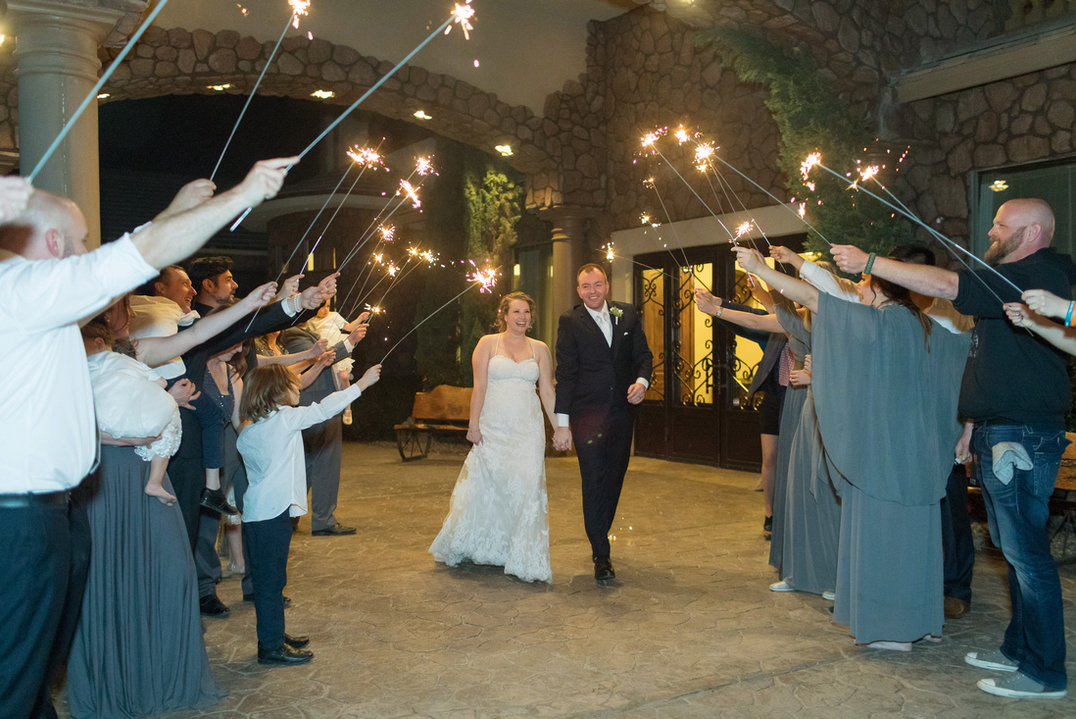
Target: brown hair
[506,302]
[590,267]
[265,390]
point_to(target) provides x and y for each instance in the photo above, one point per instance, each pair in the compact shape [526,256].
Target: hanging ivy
[812,117]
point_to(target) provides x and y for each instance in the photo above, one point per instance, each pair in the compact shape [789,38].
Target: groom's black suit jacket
[592,377]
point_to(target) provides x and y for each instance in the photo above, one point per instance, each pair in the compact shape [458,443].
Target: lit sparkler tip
[803,209]
[392,270]
[462,14]
[681,135]
[374,309]
[703,153]
[484,276]
[423,166]
[651,137]
[609,252]
[644,219]
[410,192]
[388,233]
[649,182]
[744,228]
[868,172]
[813,159]
[413,251]
[298,7]
[365,156]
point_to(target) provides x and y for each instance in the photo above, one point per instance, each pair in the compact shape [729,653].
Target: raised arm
[155,351]
[793,289]
[363,319]
[924,279]
[713,306]
[480,368]
[1061,337]
[178,236]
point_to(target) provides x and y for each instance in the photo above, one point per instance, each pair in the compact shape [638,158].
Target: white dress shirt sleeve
[829,283]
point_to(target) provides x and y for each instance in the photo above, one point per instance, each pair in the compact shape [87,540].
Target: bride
[498,513]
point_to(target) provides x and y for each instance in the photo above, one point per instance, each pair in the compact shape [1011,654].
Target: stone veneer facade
[644,71]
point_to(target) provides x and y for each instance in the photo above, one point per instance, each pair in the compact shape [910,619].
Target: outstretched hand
[785,256]
[706,301]
[264,180]
[290,288]
[313,297]
[191,195]
[261,296]
[849,258]
[370,378]
[1046,303]
[748,259]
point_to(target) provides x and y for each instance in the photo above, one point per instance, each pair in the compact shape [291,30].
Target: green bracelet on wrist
[870,264]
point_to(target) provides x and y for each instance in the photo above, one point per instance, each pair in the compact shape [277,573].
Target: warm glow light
[805,167]
[423,116]
[999,185]
[242,9]
[609,252]
[505,150]
[103,95]
[218,88]
[681,135]
[462,15]
[323,94]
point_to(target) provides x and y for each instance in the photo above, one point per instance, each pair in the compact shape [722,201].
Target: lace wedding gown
[498,512]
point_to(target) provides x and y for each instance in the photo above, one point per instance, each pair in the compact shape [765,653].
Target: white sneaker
[781,586]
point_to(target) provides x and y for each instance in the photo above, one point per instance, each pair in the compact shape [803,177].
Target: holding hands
[562,439]
[849,258]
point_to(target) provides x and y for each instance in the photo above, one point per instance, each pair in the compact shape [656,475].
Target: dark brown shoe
[603,569]
[284,655]
[956,608]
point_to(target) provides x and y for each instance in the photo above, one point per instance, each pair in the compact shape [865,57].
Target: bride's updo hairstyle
[506,302]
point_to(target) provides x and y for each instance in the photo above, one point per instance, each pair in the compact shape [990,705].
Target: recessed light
[999,185]
[505,150]
[323,94]
[423,116]
[218,88]
[103,95]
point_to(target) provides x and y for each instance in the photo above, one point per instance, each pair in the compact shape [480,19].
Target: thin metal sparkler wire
[250,97]
[376,222]
[333,217]
[780,202]
[362,98]
[754,222]
[726,229]
[946,242]
[92,95]
[396,280]
[469,287]
[668,218]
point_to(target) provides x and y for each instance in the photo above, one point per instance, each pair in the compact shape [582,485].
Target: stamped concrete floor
[689,628]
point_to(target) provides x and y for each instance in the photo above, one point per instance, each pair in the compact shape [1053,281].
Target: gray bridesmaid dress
[138,649]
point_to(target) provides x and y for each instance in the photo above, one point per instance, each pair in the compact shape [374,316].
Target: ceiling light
[218,88]
[999,185]
[423,116]
[103,95]
[323,94]
[505,150]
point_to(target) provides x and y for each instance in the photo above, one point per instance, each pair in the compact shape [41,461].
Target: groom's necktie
[606,327]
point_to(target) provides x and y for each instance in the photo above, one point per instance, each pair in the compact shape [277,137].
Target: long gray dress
[791,412]
[886,411]
[138,649]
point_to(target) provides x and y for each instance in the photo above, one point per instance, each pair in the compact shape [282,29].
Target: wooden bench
[445,410]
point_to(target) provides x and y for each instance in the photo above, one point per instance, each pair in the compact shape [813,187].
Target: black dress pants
[603,447]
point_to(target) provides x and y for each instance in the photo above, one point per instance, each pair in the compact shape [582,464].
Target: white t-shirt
[159,317]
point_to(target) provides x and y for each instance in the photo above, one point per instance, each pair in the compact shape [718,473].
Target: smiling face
[518,316]
[592,288]
[176,287]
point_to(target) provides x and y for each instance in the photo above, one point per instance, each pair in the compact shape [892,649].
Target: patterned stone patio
[688,630]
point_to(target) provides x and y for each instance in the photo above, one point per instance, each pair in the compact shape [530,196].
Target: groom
[603,370]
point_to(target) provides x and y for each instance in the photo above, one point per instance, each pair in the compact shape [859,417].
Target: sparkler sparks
[374,309]
[388,233]
[652,137]
[365,156]
[298,8]
[410,192]
[813,159]
[609,252]
[486,277]
[242,10]
[423,166]
[681,135]
[703,152]
[462,14]
[744,228]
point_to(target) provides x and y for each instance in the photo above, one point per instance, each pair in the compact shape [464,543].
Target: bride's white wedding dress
[498,514]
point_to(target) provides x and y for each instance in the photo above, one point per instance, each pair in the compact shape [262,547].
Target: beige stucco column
[57,66]
[569,253]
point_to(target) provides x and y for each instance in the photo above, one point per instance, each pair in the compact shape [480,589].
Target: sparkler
[91,96]
[483,278]
[461,14]
[298,7]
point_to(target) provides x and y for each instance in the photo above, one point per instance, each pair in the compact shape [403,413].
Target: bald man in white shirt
[48,281]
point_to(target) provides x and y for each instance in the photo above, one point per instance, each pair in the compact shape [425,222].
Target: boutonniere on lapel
[615,313]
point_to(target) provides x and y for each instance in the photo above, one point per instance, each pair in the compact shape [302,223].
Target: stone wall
[1015,121]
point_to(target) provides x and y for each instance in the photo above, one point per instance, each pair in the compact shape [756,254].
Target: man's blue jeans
[1018,512]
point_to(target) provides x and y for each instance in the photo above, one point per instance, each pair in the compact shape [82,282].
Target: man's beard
[997,252]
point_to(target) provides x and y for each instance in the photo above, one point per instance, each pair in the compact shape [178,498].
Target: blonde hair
[506,302]
[265,389]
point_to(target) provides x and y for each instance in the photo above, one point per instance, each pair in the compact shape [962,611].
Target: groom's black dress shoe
[603,569]
[296,642]
[211,606]
[284,655]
